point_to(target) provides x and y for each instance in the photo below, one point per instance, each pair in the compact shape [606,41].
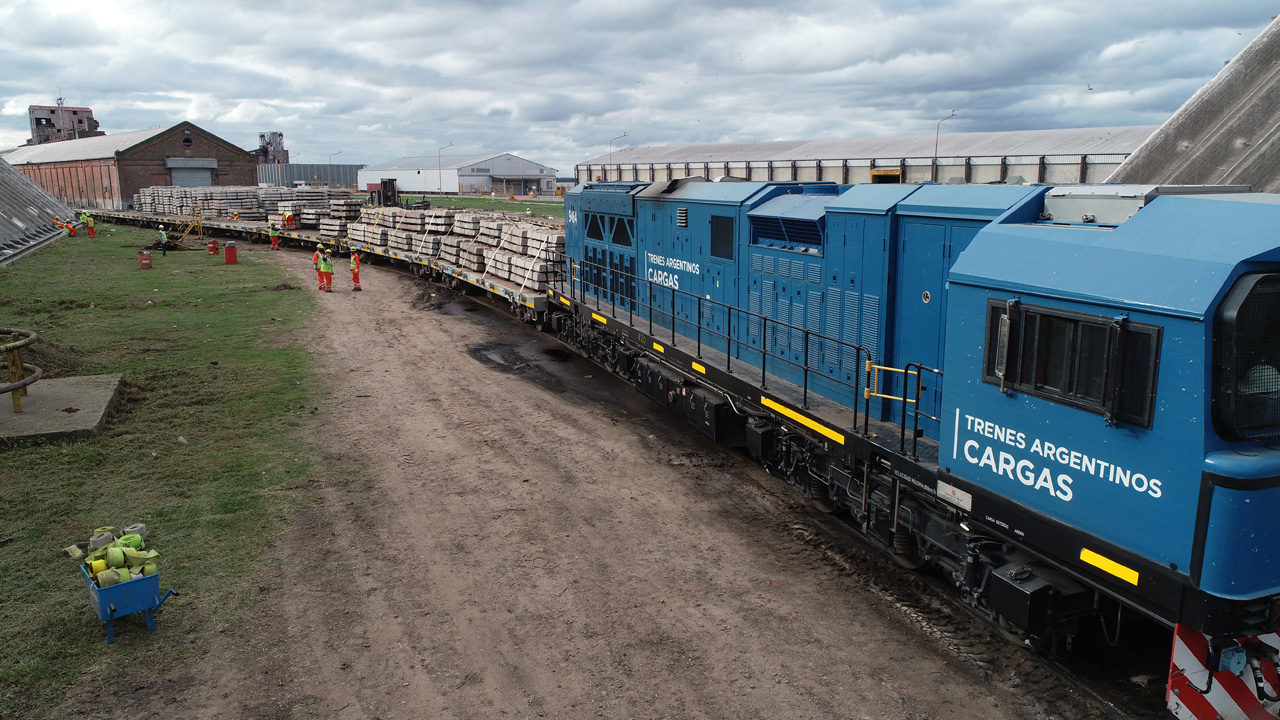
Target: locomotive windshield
[1247,371]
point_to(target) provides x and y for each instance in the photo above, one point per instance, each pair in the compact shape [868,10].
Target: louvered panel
[814,274]
[871,326]
[852,303]
[768,265]
[782,338]
[797,322]
[813,314]
[797,270]
[756,263]
[835,298]
[784,268]
[754,323]
[768,299]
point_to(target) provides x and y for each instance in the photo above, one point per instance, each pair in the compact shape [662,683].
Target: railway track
[1078,685]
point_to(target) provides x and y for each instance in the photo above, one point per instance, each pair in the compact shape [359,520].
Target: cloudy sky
[556,81]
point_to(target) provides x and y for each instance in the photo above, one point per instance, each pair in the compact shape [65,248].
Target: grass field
[207,352]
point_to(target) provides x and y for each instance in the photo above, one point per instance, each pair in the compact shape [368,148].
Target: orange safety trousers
[91,233]
[319,279]
[328,281]
[355,278]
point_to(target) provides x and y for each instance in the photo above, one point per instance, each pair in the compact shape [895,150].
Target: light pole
[330,178]
[440,170]
[606,170]
[937,131]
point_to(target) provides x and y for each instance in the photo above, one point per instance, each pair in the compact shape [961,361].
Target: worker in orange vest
[355,270]
[287,216]
[326,270]
[274,233]
[315,263]
[68,226]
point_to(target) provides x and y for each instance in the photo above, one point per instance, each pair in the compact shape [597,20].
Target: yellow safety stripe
[700,368]
[659,348]
[812,425]
[1108,565]
[600,319]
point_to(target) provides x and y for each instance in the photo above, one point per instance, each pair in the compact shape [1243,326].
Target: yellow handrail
[873,390]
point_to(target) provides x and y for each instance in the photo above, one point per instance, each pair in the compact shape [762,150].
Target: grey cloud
[558,80]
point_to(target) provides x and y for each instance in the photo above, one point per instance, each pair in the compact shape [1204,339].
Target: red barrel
[213,247]
[231,253]
[144,260]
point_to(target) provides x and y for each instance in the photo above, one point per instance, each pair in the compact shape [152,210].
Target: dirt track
[524,536]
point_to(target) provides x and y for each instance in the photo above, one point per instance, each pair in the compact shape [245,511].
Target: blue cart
[136,596]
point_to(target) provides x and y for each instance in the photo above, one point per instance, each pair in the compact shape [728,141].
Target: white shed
[502,173]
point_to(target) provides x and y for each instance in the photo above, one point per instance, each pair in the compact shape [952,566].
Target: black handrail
[863,376]
[915,421]
[585,285]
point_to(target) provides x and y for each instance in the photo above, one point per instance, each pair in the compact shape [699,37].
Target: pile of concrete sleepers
[345,208]
[310,217]
[527,255]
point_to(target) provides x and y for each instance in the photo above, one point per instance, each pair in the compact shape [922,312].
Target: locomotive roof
[1172,257]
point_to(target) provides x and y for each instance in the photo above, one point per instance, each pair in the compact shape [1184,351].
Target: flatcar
[1064,399]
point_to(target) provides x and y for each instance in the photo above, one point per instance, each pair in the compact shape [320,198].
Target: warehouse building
[501,174]
[105,172]
[1080,155]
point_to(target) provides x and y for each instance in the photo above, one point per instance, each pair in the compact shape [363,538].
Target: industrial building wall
[290,174]
[144,165]
[1058,169]
[79,183]
[423,180]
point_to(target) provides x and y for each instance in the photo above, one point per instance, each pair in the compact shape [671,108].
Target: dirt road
[524,536]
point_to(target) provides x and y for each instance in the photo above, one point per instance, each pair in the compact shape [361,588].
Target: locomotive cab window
[1091,362]
[1246,383]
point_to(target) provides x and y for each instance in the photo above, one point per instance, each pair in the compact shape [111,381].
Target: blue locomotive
[1067,399]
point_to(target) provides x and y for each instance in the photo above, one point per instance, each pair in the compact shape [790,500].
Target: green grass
[209,504]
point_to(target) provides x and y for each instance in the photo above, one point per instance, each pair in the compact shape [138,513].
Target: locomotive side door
[919,301]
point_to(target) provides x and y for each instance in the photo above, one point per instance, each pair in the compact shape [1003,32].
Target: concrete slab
[60,409]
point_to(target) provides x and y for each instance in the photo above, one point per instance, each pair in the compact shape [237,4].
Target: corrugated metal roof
[1071,141]
[103,146]
[26,213]
[1225,133]
[429,162]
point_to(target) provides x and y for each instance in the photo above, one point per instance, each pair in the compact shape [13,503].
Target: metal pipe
[27,337]
[804,372]
[673,317]
[764,355]
[698,351]
[729,341]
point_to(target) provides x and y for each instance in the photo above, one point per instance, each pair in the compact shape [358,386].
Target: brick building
[55,123]
[105,172]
